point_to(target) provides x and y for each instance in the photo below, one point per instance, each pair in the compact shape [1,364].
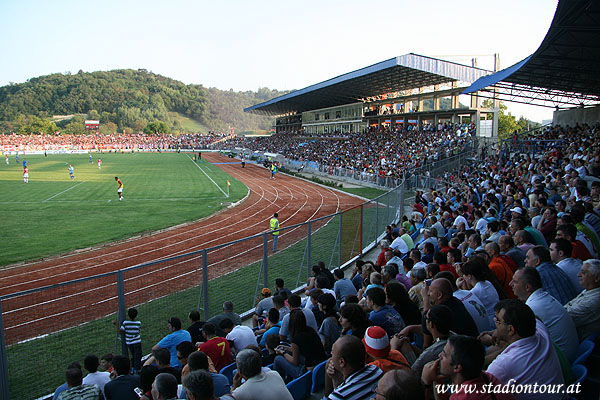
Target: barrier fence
[42,330]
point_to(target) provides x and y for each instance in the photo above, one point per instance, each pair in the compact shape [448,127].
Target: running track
[31,315]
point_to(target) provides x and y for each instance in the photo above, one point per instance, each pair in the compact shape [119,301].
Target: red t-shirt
[218,350]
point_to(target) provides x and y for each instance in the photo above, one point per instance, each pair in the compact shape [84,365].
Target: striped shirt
[360,385]
[132,331]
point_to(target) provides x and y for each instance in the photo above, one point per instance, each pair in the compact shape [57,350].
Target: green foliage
[129,99]
[156,127]
[507,123]
[33,124]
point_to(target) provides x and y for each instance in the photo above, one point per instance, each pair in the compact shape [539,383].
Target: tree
[507,123]
[157,127]
[108,128]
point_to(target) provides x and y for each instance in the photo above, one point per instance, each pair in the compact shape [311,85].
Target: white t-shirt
[241,336]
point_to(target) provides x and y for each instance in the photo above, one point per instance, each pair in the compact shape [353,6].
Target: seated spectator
[383,315]
[507,247]
[417,278]
[379,351]
[330,329]
[195,329]
[398,244]
[305,352]
[280,287]
[523,241]
[279,305]
[502,267]
[227,313]
[239,336]
[410,244]
[198,361]
[353,320]
[569,232]
[432,270]
[78,390]
[399,384]
[271,344]
[95,377]
[347,376]
[164,387]
[272,326]
[343,286]
[530,357]
[415,255]
[461,361]
[474,276]
[122,386]
[440,292]
[106,362]
[295,302]
[147,375]
[262,308]
[585,308]
[215,347]
[257,381]
[171,341]
[527,285]
[199,385]
[389,272]
[554,280]
[184,349]
[397,297]
[162,357]
[383,245]
[312,301]
[441,259]
[65,386]
[560,253]
[356,276]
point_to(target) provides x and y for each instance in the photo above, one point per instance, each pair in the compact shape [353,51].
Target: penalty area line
[58,194]
[211,179]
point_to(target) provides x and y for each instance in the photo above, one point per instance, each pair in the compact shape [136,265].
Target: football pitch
[53,214]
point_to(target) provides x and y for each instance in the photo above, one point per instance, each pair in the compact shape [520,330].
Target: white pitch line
[58,194]
[211,179]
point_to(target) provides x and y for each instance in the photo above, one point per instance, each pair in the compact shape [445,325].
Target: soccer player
[119,188]
[26,174]
[90,157]
[99,164]
[71,172]
[6,158]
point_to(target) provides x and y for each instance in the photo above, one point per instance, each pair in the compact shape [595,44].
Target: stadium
[512,223]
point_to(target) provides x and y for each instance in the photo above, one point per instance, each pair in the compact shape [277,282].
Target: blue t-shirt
[387,318]
[171,341]
[274,330]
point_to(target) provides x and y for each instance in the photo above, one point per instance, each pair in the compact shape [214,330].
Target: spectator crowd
[492,281]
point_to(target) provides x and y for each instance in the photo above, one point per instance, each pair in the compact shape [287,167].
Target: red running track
[48,311]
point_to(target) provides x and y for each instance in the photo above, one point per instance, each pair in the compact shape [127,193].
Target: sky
[245,45]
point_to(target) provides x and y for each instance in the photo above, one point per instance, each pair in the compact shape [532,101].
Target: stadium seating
[228,372]
[318,377]
[300,387]
[585,349]
[579,373]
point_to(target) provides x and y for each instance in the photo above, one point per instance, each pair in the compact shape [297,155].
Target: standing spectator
[171,341]
[121,388]
[131,329]
[274,227]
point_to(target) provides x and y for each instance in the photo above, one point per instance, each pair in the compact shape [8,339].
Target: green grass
[52,214]
[98,337]
[366,192]
[189,125]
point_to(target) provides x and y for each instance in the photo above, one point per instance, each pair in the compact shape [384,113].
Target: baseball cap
[266,291]
[376,341]
[518,210]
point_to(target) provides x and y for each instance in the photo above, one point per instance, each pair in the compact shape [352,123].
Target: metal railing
[42,330]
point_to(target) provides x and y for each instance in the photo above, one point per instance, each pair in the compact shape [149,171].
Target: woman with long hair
[330,329]
[305,352]
[353,320]
[397,297]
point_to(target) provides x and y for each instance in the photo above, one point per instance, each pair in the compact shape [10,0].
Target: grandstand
[515,226]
